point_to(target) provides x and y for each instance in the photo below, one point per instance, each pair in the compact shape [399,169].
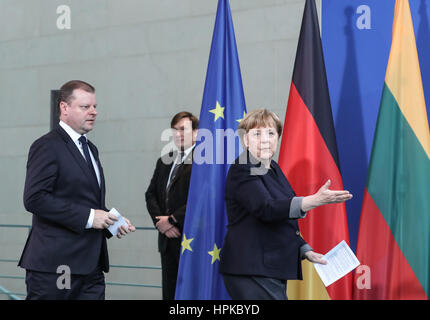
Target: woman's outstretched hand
[325,196]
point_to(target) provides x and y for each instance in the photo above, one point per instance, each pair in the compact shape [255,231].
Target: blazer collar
[71,146]
[72,133]
[257,168]
[188,161]
[247,158]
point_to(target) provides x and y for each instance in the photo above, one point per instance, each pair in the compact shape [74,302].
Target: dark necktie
[84,143]
[175,170]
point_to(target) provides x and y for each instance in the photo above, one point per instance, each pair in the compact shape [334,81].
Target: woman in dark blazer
[263,247]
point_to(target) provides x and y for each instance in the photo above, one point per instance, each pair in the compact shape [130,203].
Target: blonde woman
[263,247]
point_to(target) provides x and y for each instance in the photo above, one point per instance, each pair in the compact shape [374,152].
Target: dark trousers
[170,266]
[52,286]
[255,288]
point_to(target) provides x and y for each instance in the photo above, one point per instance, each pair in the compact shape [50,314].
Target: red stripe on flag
[308,164]
[391,277]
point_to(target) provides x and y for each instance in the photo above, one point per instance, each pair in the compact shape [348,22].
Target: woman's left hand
[325,196]
[315,257]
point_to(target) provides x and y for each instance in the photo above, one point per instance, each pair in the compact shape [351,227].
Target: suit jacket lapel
[96,158]
[187,161]
[102,187]
[169,170]
[71,146]
[166,164]
[282,179]
[283,184]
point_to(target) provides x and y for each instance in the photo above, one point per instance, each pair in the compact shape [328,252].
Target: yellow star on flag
[244,114]
[186,244]
[215,253]
[218,111]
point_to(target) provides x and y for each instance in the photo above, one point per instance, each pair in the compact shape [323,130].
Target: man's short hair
[66,90]
[185,114]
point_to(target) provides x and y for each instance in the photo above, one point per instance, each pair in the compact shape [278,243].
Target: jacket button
[297,232]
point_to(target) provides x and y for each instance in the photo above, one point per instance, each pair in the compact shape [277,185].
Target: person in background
[166,197]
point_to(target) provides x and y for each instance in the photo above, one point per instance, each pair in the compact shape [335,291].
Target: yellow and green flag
[394,234]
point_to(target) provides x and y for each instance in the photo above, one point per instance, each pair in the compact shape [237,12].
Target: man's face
[183,134]
[80,114]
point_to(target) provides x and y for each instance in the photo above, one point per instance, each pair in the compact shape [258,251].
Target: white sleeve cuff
[90,220]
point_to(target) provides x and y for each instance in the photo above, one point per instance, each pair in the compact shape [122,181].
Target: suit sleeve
[151,195]
[179,215]
[39,198]
[251,194]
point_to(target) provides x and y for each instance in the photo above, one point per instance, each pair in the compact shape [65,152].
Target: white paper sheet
[340,261]
[121,222]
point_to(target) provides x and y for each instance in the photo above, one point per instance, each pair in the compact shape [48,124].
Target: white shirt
[75,138]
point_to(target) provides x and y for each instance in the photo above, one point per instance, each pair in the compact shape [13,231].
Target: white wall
[147,60]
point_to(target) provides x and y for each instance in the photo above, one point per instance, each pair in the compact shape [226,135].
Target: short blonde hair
[260,118]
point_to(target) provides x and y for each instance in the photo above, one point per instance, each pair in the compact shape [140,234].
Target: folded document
[121,222]
[340,261]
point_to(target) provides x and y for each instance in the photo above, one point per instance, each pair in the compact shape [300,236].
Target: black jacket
[60,192]
[176,198]
[261,239]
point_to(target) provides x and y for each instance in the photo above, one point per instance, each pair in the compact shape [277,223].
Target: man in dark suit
[166,197]
[66,251]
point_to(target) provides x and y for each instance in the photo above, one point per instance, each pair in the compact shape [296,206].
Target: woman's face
[262,142]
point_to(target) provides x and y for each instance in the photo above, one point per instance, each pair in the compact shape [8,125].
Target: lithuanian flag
[308,157]
[394,236]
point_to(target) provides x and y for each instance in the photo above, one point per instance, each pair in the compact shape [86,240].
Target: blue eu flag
[217,146]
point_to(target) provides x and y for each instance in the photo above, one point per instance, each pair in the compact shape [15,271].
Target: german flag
[394,235]
[308,157]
